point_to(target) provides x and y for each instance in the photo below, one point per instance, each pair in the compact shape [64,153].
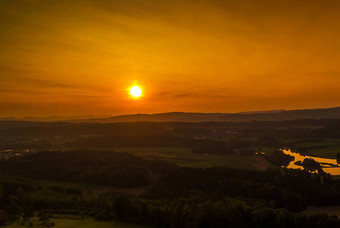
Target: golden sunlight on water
[299,157]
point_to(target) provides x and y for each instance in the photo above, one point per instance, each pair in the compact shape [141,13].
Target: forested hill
[274,115]
[329,113]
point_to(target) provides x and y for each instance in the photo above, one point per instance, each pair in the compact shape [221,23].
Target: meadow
[326,148]
[331,211]
[69,221]
[183,156]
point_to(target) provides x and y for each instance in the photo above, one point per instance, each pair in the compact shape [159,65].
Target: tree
[45,219]
[310,164]
[28,213]
[3,217]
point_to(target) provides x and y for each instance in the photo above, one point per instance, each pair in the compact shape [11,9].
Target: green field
[88,189]
[327,148]
[91,189]
[332,210]
[76,222]
[182,156]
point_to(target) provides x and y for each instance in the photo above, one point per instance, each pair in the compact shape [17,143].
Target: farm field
[91,189]
[183,156]
[328,148]
[332,210]
[88,189]
[76,222]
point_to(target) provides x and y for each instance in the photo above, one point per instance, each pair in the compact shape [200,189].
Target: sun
[135,91]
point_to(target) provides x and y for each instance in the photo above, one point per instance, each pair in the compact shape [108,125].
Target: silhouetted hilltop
[276,115]
[273,115]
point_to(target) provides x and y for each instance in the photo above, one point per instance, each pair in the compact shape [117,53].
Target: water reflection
[326,163]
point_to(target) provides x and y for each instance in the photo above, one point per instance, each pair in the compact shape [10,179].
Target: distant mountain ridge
[275,115]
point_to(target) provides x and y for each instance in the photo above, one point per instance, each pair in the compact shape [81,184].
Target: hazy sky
[80,57]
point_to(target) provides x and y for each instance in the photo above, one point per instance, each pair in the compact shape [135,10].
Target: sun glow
[135,91]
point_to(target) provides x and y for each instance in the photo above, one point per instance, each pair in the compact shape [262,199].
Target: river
[325,167]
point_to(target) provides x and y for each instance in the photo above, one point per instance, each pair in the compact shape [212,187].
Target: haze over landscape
[69,58]
[170,113]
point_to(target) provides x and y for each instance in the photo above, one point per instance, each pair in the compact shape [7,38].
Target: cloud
[216,93]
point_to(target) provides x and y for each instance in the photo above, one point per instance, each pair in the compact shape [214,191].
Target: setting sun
[135,91]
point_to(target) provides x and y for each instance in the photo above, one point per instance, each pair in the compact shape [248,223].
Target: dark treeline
[291,189]
[198,212]
[96,167]
[132,141]
[208,146]
[256,134]
[181,197]
[20,196]
[279,158]
[330,127]
[175,196]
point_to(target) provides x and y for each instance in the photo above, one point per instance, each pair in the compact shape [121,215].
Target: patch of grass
[70,223]
[88,189]
[83,186]
[332,210]
[329,152]
[235,161]
[263,164]
[336,177]
[182,156]
[169,152]
[327,148]
[324,143]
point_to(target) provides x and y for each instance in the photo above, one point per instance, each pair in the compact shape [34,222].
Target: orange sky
[63,57]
